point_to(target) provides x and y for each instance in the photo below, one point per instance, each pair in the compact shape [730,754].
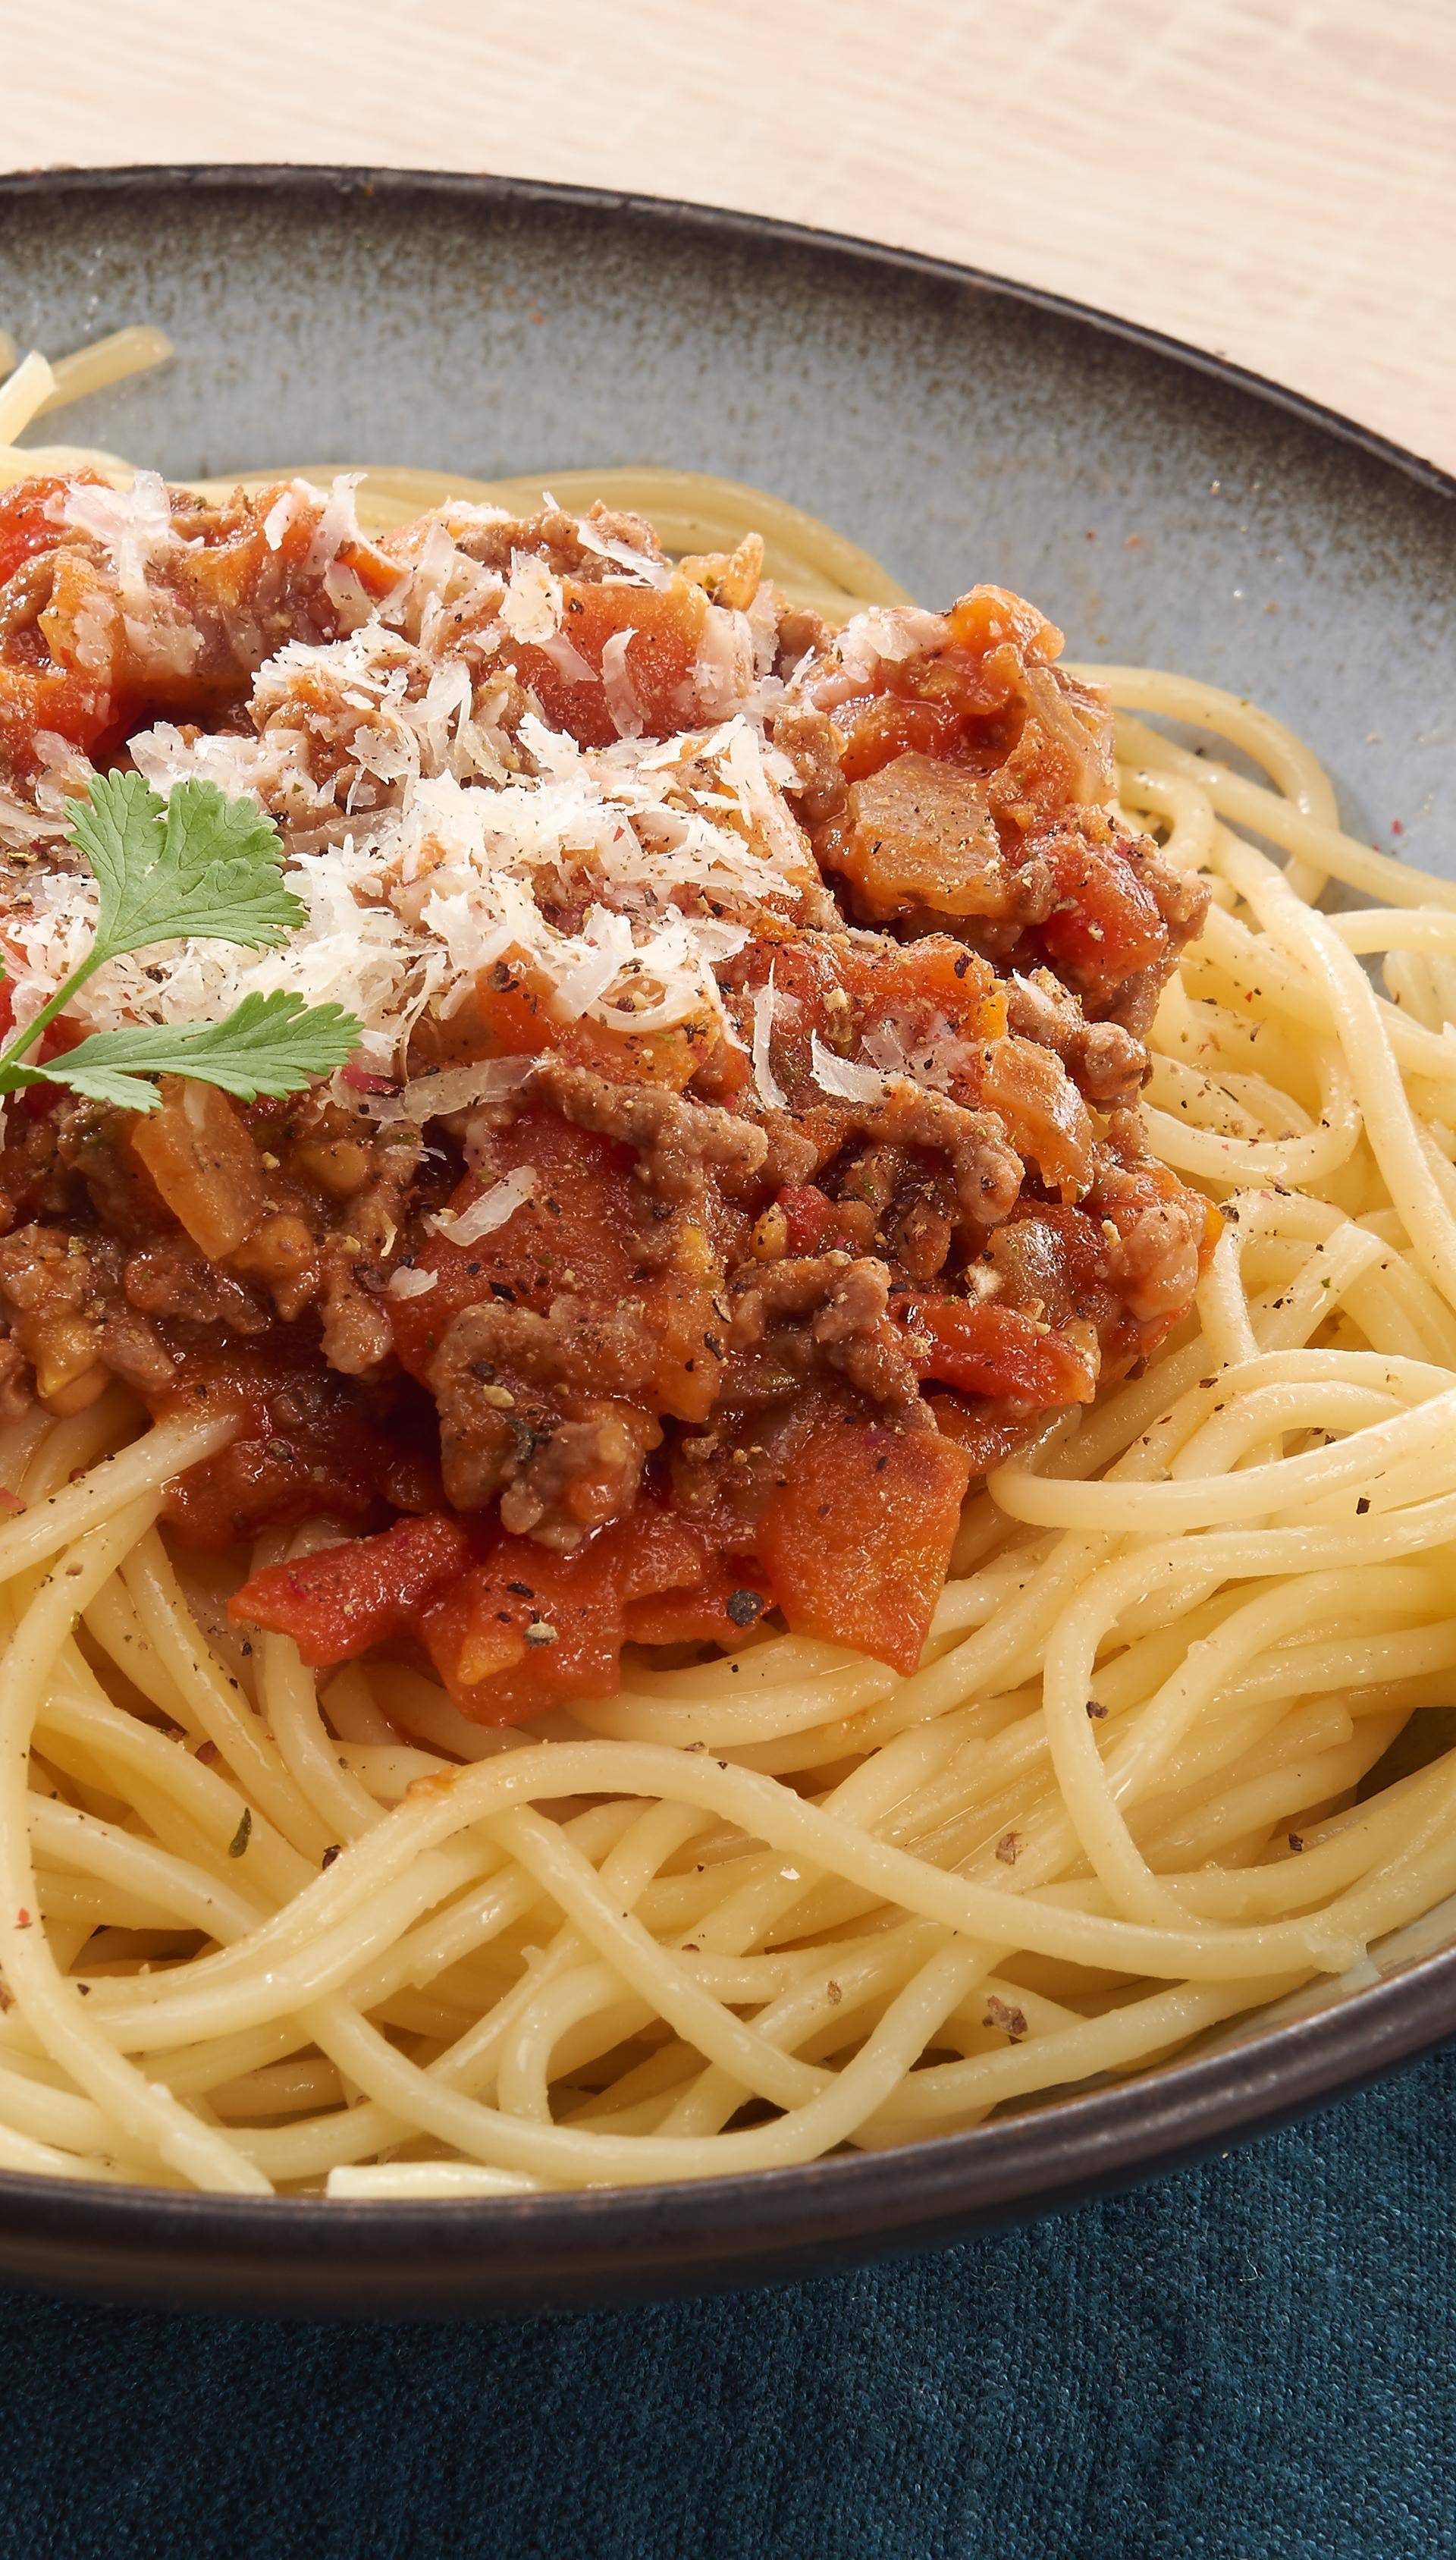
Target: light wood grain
[1274,179]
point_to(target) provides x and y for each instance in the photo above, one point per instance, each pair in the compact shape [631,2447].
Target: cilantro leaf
[197,865]
[270,1045]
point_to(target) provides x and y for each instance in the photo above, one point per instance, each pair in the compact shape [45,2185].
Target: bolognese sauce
[742,1151]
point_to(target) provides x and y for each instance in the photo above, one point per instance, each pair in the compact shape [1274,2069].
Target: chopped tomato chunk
[857,1536]
[310,1444]
[1106,923]
[718,1611]
[811,1219]
[512,1018]
[574,1235]
[528,1629]
[989,1349]
[891,726]
[578,1219]
[663,626]
[340,1602]
[31,518]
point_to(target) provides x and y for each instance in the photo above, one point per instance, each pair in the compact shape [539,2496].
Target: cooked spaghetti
[739,1535]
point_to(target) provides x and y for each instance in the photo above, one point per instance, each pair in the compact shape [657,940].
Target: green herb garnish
[196,866]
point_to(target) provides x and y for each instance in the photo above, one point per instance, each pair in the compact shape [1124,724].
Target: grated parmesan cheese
[491,1209]
[530,607]
[841,1076]
[425,839]
[766,1003]
[617,685]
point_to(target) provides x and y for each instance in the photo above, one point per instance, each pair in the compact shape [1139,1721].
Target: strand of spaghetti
[23,394]
[589,2005]
[656,1834]
[1291,765]
[187,1892]
[1249,1417]
[1251,1805]
[1310,1156]
[1386,1113]
[106,361]
[1260,975]
[641,1963]
[1395,929]
[1096,1789]
[411,2181]
[1258,1492]
[51,2006]
[1320,1865]
[473,2062]
[42,2159]
[898,2037]
[338,1800]
[1281,821]
[1189,840]
[1107,2043]
[763,1808]
[218,1702]
[114,1482]
[248,1984]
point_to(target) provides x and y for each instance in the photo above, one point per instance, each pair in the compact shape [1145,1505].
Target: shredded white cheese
[617,685]
[491,1209]
[770,1091]
[427,839]
[841,1076]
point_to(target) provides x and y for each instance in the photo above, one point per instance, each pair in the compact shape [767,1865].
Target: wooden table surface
[1273,178]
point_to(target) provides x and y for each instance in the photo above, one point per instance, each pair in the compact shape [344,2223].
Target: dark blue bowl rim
[306,2253]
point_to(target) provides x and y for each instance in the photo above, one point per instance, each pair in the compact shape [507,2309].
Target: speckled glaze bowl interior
[1165,508]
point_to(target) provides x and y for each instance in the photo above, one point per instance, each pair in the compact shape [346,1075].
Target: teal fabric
[1255,2360]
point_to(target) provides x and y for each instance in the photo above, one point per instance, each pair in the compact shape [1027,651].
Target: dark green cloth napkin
[1255,2360]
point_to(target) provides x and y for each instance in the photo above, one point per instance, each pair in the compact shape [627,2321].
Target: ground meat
[176,1280]
[1156,1262]
[807,737]
[355,1332]
[827,1311]
[985,1170]
[68,1311]
[802,634]
[536,1403]
[886,1174]
[683,1145]
[557,539]
[1105,1063]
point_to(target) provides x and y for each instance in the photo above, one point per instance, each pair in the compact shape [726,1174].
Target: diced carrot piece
[340,1602]
[857,1536]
